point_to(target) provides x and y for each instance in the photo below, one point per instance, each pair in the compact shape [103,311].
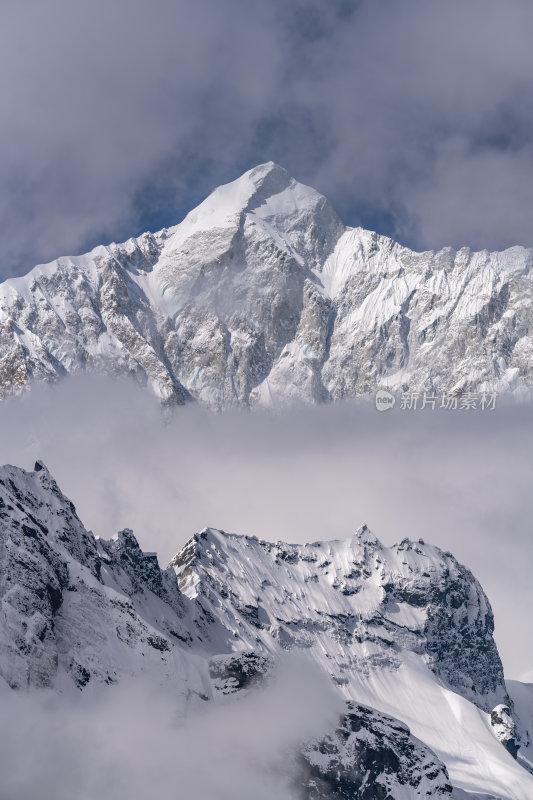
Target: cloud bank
[132,741]
[415,118]
[461,480]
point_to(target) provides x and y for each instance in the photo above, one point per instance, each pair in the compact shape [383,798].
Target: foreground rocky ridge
[77,611]
[75,608]
[263,296]
[372,757]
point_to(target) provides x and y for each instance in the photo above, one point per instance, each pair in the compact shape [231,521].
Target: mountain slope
[261,295]
[406,630]
[362,603]
[372,757]
[403,633]
[74,609]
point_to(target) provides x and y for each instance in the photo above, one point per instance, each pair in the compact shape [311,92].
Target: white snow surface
[261,295]
[405,630]
[271,596]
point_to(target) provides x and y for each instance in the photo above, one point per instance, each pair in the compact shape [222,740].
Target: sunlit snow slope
[406,630]
[403,633]
[261,295]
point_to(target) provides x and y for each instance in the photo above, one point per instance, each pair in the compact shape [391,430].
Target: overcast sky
[414,118]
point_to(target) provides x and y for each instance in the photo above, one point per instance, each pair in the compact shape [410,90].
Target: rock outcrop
[370,757]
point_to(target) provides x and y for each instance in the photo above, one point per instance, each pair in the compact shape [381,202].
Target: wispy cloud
[461,480]
[137,740]
[413,117]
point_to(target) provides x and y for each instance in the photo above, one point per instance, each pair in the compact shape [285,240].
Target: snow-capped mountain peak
[225,204]
[261,295]
[404,634]
[276,595]
[265,206]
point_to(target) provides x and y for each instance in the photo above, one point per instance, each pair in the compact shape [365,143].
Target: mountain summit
[261,296]
[403,634]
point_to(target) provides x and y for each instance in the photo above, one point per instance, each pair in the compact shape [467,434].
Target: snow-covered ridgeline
[262,295]
[404,633]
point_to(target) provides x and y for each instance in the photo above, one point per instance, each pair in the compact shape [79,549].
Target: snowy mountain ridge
[403,633]
[261,295]
[369,603]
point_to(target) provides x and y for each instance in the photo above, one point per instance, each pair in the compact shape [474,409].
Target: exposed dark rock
[238,671]
[504,727]
[370,756]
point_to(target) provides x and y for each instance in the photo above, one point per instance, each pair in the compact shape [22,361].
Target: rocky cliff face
[406,628]
[370,757]
[353,604]
[74,608]
[262,296]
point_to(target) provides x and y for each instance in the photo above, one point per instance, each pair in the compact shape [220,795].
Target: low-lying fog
[459,479]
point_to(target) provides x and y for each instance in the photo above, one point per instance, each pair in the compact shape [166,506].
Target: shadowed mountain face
[404,634]
[371,757]
[262,296]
